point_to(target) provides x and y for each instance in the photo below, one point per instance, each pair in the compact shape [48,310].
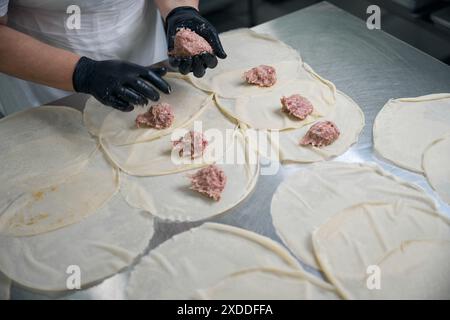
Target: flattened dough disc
[309,197]
[360,237]
[269,284]
[436,164]
[101,245]
[348,117]
[199,258]
[157,157]
[43,145]
[120,128]
[404,128]
[169,197]
[258,49]
[30,210]
[231,84]
[263,111]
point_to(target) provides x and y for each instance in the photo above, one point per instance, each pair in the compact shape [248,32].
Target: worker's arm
[116,83]
[179,14]
[165,6]
[24,57]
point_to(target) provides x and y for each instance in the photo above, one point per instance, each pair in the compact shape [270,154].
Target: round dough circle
[200,257]
[360,237]
[155,157]
[404,128]
[348,117]
[100,245]
[33,135]
[32,210]
[436,164]
[231,84]
[309,197]
[169,197]
[120,128]
[269,284]
[263,111]
[264,49]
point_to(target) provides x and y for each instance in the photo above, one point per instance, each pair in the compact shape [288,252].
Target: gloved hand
[189,17]
[119,84]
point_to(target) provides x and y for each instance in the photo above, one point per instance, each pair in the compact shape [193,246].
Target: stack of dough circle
[201,257]
[308,198]
[405,128]
[347,116]
[119,128]
[157,157]
[436,165]
[49,169]
[263,111]
[269,284]
[169,197]
[370,238]
[95,248]
[247,49]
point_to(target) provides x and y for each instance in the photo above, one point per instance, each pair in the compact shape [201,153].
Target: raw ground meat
[263,76]
[297,106]
[209,181]
[193,144]
[321,134]
[187,44]
[159,116]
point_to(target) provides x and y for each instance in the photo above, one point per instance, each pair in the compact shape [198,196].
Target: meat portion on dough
[297,106]
[192,144]
[209,181]
[159,116]
[187,44]
[321,134]
[263,76]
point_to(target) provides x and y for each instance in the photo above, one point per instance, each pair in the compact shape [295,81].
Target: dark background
[425,24]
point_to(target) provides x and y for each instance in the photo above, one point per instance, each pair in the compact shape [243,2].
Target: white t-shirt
[131,30]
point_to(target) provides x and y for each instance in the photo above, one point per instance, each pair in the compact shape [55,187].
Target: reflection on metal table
[368,65]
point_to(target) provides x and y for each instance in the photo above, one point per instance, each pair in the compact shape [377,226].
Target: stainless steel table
[369,66]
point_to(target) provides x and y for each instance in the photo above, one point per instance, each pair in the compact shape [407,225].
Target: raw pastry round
[309,197]
[360,237]
[101,245]
[5,287]
[436,164]
[404,128]
[349,119]
[199,258]
[155,157]
[31,210]
[169,197]
[45,143]
[259,49]
[231,84]
[269,284]
[263,111]
[120,127]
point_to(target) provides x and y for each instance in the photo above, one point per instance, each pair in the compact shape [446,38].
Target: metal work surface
[369,66]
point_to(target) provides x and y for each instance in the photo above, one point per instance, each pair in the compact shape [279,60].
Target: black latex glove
[119,84]
[189,17]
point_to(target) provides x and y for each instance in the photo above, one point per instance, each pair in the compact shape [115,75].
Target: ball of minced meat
[263,76]
[297,106]
[321,134]
[192,144]
[187,44]
[209,181]
[159,116]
